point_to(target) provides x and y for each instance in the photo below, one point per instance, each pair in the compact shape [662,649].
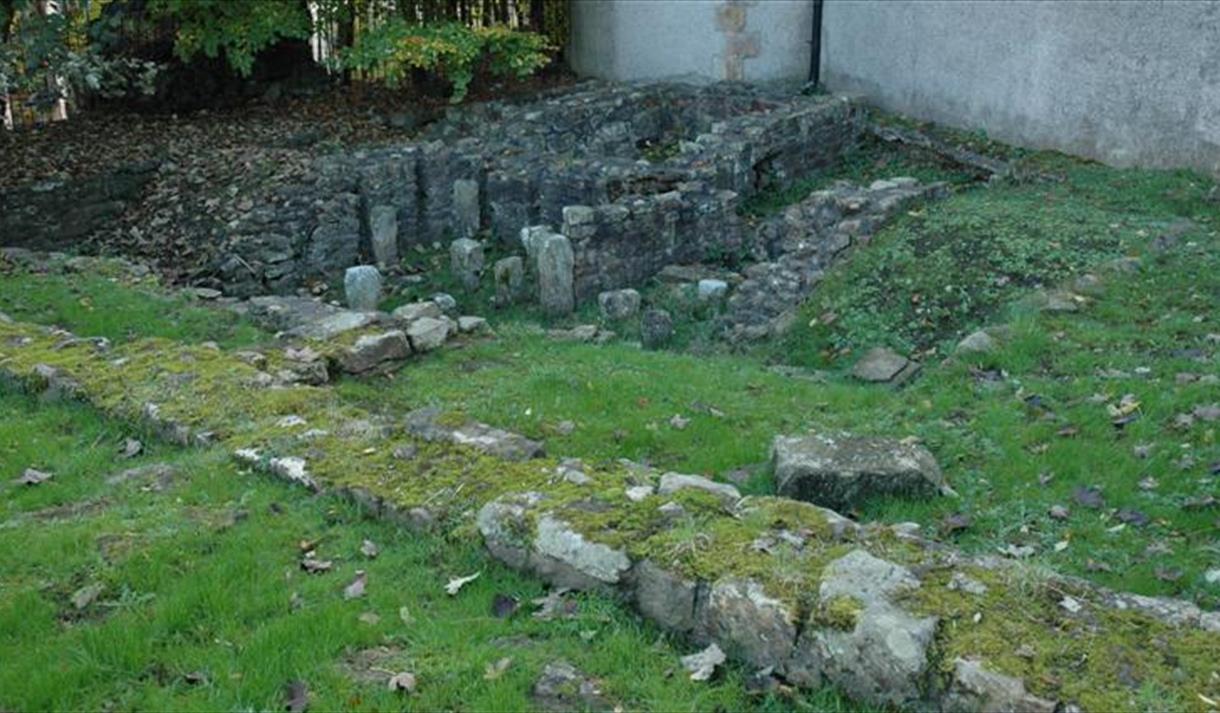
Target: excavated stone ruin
[635,177]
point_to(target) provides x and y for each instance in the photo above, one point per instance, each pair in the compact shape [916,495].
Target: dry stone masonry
[584,161]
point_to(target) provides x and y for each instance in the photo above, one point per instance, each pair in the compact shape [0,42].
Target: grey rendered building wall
[1128,82]
[691,40]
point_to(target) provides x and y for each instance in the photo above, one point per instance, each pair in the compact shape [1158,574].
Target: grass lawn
[199,572]
[1086,443]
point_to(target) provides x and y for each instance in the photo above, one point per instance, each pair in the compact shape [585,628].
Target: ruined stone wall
[661,168]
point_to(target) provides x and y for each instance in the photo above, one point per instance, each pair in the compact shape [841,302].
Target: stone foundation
[636,177]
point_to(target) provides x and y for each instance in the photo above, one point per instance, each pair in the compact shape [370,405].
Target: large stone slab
[556,262]
[842,471]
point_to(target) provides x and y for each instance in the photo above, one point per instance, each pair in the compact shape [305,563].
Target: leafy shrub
[450,50]
[239,30]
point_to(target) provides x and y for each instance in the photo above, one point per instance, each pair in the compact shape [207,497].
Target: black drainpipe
[815,47]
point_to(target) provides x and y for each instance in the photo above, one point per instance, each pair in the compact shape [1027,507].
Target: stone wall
[652,175]
[55,214]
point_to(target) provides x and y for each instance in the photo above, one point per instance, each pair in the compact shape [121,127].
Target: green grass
[995,430]
[938,272]
[199,578]
[116,309]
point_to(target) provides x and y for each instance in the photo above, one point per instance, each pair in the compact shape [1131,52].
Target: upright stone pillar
[556,263]
[466,262]
[467,215]
[383,233]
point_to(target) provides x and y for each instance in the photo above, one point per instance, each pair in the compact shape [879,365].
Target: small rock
[1058,512]
[881,365]
[427,333]
[656,328]
[33,477]
[471,325]
[639,492]
[565,428]
[373,349]
[563,687]
[418,310]
[678,422]
[712,290]
[963,583]
[979,342]
[619,304]
[446,302]
[673,482]
[842,471]
[362,287]
[703,664]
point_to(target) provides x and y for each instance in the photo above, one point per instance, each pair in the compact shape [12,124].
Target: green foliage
[450,50]
[54,55]
[239,30]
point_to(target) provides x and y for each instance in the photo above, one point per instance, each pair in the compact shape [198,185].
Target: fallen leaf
[1148,483]
[497,669]
[504,606]
[370,618]
[369,549]
[555,606]
[355,590]
[297,695]
[403,682]
[1088,496]
[131,448]
[313,565]
[1133,517]
[679,422]
[33,477]
[1210,412]
[405,615]
[955,523]
[703,664]
[85,596]
[455,585]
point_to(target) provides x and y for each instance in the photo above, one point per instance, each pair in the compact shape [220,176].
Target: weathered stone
[712,290]
[1054,301]
[555,265]
[883,657]
[562,688]
[664,597]
[656,328]
[383,233]
[428,333]
[329,327]
[884,365]
[373,349]
[496,442]
[531,241]
[467,214]
[979,342]
[843,471]
[557,540]
[362,287]
[619,304]
[509,274]
[466,262]
[471,325]
[446,302]
[417,310]
[673,482]
[974,688]
[742,617]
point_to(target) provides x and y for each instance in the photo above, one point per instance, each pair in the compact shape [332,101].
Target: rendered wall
[1129,82]
[691,40]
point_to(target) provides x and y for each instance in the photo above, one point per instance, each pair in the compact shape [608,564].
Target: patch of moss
[840,612]
[1098,658]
